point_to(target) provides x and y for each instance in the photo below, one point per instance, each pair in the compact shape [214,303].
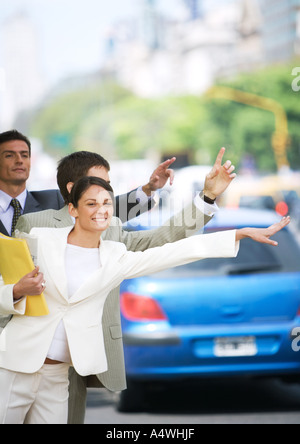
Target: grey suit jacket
[187,222]
[127,207]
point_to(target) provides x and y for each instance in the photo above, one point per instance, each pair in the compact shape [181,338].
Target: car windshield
[257,202]
[253,257]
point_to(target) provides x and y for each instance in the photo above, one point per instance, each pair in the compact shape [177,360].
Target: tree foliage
[111,120]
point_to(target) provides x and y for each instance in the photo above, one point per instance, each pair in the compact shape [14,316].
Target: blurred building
[176,56]
[195,8]
[151,26]
[247,52]
[281,29]
[23,84]
[136,52]
[188,55]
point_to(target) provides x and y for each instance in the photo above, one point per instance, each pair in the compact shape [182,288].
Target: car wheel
[132,399]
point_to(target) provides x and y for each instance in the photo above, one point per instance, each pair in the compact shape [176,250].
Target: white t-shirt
[80,264]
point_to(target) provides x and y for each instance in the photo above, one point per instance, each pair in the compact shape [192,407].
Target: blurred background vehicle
[280,193]
[214,318]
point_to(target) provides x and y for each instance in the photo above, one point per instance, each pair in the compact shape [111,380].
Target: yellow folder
[15,263]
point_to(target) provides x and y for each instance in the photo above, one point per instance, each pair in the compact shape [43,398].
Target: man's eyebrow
[14,152]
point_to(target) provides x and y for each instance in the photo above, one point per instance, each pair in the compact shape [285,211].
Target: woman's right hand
[30,285]
[262,235]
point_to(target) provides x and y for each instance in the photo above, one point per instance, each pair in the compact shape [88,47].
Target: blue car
[216,317]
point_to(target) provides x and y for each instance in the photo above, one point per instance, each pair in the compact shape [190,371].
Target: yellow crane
[280,139]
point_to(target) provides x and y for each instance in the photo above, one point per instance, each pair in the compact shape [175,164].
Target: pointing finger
[167,163]
[172,160]
[220,157]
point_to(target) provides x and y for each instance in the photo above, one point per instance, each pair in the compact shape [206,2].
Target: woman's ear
[73,211]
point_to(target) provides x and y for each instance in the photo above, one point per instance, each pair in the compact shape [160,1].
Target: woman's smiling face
[95,209]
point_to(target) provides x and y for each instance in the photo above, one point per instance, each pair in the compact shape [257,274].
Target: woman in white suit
[77,271]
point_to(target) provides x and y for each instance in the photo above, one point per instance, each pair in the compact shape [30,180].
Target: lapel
[31,204]
[62,218]
[53,247]
[3,229]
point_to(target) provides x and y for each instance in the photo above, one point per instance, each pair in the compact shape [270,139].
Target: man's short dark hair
[11,135]
[75,166]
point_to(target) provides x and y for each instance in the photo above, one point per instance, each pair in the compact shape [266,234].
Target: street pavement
[236,401]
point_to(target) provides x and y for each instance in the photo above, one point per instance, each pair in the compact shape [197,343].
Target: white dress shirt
[7,211]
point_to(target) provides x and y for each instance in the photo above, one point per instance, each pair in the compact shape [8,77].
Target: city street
[179,262]
[236,401]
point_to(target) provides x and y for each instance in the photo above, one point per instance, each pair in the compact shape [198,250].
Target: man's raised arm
[141,200]
[192,218]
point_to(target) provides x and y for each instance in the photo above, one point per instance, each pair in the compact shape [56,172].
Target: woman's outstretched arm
[215,245]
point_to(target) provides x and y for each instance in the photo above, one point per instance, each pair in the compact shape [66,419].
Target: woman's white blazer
[25,341]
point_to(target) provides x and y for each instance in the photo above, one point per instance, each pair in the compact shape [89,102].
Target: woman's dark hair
[11,135]
[75,166]
[83,184]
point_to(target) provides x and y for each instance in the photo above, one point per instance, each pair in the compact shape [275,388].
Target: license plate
[235,346]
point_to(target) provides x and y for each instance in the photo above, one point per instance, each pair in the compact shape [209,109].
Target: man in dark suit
[15,199]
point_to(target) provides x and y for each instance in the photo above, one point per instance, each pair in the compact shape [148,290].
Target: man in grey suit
[187,222]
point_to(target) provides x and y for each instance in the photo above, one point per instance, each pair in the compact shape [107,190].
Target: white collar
[5,200]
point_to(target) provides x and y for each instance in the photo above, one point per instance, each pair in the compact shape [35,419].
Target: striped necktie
[17,213]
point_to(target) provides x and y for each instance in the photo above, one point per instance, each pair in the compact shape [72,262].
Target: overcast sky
[70,32]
